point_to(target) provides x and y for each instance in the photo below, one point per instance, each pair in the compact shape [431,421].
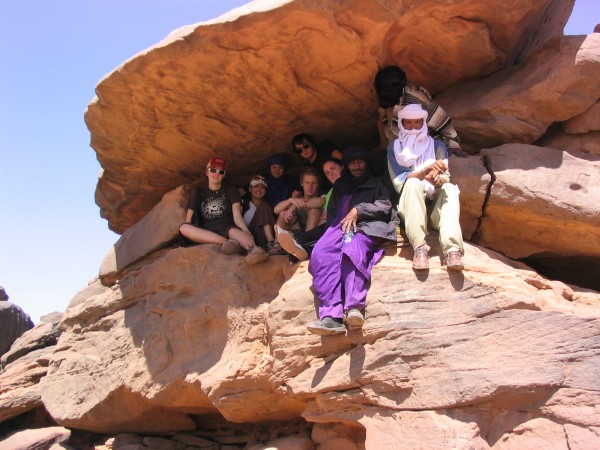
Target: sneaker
[354,318]
[420,259]
[289,244]
[273,248]
[256,255]
[454,261]
[327,326]
[231,247]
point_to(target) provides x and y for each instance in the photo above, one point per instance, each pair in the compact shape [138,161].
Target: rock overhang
[242,85]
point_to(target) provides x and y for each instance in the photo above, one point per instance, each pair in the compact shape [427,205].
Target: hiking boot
[231,247]
[274,248]
[327,326]
[454,261]
[354,318]
[420,260]
[289,244]
[256,255]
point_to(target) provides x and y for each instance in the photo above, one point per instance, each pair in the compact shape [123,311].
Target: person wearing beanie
[418,167]
[281,184]
[214,216]
[358,222]
[394,92]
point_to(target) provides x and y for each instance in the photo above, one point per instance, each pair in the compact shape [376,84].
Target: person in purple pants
[359,220]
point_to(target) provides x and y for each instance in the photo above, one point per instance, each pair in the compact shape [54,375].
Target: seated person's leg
[200,235]
[313,219]
[412,209]
[445,218]
[285,222]
[244,238]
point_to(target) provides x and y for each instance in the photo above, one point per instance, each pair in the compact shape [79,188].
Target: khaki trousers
[444,215]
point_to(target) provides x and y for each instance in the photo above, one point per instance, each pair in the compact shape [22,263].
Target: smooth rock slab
[36,439]
[542,202]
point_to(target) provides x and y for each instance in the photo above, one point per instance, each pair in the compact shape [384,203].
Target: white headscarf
[415,148]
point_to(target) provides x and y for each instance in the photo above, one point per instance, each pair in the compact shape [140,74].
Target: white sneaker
[289,244]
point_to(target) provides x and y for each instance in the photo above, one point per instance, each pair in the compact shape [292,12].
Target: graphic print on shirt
[213,208]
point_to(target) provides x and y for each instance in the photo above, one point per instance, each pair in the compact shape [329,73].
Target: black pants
[308,239]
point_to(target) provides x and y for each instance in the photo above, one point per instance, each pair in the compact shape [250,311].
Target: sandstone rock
[473,180]
[95,287]
[434,351]
[145,350]
[301,66]
[585,145]
[540,203]
[157,229]
[287,443]
[3,294]
[13,323]
[518,104]
[40,336]
[19,390]
[22,368]
[38,439]
[584,122]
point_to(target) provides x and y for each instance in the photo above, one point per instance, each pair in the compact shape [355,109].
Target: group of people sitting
[345,205]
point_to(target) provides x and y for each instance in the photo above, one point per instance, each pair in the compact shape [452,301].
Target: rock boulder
[241,86]
[13,323]
[442,350]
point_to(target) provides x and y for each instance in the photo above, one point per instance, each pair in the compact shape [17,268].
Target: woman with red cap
[214,216]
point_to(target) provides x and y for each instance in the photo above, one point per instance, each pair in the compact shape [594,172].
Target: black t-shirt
[214,207]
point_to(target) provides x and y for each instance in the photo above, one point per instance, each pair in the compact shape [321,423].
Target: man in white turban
[418,168]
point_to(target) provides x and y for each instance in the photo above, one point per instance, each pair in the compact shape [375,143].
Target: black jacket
[372,201]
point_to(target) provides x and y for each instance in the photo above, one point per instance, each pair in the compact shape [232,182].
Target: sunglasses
[299,150]
[213,170]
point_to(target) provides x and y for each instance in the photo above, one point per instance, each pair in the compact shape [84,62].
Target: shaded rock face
[242,88]
[21,369]
[13,323]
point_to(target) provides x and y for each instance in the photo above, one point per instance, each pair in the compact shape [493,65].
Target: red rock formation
[243,88]
[169,339]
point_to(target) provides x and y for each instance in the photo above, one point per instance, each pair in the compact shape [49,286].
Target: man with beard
[359,220]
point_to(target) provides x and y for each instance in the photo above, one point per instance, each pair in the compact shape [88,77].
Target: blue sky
[52,55]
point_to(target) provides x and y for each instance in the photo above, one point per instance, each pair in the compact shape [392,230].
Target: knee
[184,227]
[450,190]
[412,184]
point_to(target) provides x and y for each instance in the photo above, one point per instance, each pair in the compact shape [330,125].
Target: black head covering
[347,182]
[278,158]
[389,84]
[355,152]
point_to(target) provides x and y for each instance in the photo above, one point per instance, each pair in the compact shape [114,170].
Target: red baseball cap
[217,163]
